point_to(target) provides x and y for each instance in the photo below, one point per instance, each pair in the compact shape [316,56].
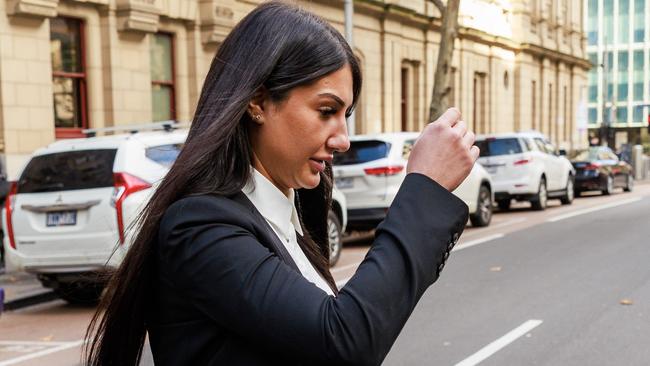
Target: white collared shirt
[280,212]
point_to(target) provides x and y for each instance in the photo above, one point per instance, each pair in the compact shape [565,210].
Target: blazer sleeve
[209,252]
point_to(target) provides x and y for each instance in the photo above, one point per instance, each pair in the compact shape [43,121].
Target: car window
[498,146]
[362,152]
[527,144]
[541,145]
[68,170]
[587,155]
[164,154]
[406,149]
[549,147]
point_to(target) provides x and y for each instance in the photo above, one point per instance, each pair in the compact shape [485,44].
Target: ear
[256,106]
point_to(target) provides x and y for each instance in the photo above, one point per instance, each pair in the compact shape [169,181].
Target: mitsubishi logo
[59,199]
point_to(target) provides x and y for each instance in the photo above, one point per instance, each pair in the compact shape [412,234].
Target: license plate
[343,183]
[61,218]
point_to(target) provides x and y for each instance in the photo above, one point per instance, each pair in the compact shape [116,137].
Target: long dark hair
[276,47]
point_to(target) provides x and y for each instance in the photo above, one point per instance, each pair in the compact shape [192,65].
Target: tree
[448,34]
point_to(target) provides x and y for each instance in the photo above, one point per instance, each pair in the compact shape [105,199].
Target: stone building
[66,65]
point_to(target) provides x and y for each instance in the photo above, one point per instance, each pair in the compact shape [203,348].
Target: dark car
[598,168]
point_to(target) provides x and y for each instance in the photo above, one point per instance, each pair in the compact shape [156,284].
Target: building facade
[67,65]
[618,46]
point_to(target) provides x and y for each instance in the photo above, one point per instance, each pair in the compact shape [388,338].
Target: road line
[593,209]
[32,343]
[339,269]
[472,243]
[62,347]
[495,346]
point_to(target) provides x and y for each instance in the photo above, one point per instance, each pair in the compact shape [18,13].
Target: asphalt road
[533,288]
[586,278]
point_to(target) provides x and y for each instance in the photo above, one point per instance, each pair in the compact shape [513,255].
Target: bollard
[638,163]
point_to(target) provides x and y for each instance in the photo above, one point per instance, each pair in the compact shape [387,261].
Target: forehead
[338,83]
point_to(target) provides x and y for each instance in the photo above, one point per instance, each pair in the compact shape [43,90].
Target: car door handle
[61,207]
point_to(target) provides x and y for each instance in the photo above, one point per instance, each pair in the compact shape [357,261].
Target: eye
[327,111]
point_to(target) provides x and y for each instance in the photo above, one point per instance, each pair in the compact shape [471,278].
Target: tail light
[384,171]
[523,162]
[125,184]
[9,209]
[592,166]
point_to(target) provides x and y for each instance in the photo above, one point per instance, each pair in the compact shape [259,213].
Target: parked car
[598,168]
[68,215]
[526,167]
[372,170]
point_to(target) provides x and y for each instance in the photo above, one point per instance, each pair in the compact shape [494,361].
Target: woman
[229,266]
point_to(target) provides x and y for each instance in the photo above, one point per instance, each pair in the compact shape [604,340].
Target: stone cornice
[555,55]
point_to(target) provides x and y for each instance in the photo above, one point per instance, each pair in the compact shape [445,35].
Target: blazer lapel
[269,236]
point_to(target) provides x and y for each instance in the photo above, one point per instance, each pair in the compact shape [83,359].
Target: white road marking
[495,346]
[593,209]
[472,243]
[61,347]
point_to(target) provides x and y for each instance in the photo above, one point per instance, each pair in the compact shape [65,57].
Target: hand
[444,151]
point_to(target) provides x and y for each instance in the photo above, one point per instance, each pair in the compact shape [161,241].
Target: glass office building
[618,46]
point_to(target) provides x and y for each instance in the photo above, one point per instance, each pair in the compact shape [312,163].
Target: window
[68,77]
[637,76]
[608,21]
[480,123]
[621,91]
[639,20]
[404,102]
[593,78]
[500,146]
[637,114]
[592,22]
[623,21]
[164,155]
[610,76]
[593,116]
[362,152]
[84,169]
[162,77]
[621,114]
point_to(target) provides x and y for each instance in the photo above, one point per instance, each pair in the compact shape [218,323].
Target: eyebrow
[336,99]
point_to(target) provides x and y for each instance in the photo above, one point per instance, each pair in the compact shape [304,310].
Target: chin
[311,181]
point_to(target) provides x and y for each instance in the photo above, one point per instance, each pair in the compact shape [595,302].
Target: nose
[339,141]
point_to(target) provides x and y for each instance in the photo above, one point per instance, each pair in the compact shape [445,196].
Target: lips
[317,164]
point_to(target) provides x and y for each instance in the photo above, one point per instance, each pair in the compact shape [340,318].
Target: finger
[461,127]
[474,152]
[468,139]
[450,117]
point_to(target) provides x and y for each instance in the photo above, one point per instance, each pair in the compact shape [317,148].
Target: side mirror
[562,152]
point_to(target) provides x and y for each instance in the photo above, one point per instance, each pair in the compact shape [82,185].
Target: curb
[33,298]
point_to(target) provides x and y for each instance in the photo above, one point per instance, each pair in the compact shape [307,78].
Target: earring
[258,117]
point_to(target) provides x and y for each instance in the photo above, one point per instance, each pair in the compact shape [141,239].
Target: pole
[349,11]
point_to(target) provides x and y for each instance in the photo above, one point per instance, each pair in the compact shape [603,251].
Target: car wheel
[79,293]
[609,186]
[504,205]
[540,200]
[334,236]
[629,186]
[483,214]
[567,199]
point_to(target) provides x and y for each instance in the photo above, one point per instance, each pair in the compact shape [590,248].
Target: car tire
[335,237]
[80,293]
[504,205]
[609,186]
[629,186]
[540,200]
[569,194]
[483,214]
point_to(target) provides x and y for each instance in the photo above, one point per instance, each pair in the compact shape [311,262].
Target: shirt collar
[276,208]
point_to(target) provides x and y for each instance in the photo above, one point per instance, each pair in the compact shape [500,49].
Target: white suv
[372,170]
[75,199]
[525,166]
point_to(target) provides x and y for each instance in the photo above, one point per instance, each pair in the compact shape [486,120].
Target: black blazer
[229,294]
